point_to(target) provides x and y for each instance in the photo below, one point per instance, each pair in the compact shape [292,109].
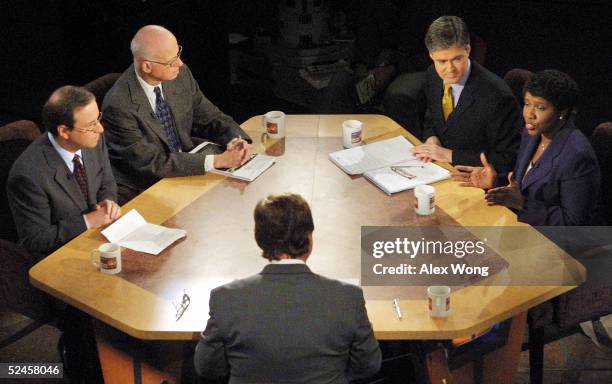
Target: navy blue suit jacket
[562,186]
[486,119]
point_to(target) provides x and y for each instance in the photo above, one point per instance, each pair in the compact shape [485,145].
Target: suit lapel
[436,109]
[525,157]
[144,107]
[63,176]
[545,163]
[467,96]
[173,99]
[465,102]
[90,170]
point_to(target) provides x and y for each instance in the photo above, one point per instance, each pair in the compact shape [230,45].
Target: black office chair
[16,292]
[14,139]
[101,85]
[601,139]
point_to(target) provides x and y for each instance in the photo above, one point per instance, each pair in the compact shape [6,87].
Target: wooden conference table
[219,247]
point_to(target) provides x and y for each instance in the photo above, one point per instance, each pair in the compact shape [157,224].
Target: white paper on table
[358,160]
[391,182]
[132,231]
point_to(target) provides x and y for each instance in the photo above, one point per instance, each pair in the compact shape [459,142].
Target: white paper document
[407,175]
[132,231]
[358,160]
[250,170]
[389,164]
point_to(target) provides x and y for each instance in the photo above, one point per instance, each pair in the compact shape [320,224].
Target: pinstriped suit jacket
[137,142]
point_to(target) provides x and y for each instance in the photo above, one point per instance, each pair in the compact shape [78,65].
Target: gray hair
[445,32]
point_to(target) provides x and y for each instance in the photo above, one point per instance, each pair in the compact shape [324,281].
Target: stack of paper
[407,175]
[389,164]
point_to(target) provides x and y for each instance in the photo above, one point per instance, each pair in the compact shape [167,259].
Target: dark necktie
[81,176]
[165,117]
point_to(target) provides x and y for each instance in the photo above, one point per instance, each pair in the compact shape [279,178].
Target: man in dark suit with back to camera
[469,109]
[287,324]
[62,184]
[152,112]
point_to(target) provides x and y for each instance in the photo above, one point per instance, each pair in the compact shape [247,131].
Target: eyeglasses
[91,127]
[180,308]
[172,61]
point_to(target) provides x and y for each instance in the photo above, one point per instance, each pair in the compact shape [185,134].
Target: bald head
[151,42]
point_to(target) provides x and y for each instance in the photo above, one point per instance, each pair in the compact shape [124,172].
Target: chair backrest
[516,79]
[601,140]
[479,49]
[101,85]
[14,139]
[16,292]
[21,129]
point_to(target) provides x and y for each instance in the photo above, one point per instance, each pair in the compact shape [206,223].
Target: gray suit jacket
[288,325]
[45,199]
[137,142]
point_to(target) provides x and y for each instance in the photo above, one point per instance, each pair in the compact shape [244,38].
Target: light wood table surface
[140,302]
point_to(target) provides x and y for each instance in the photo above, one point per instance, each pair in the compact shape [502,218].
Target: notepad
[358,160]
[250,170]
[417,173]
[375,162]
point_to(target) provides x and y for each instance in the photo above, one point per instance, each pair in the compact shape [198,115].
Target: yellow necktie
[447,101]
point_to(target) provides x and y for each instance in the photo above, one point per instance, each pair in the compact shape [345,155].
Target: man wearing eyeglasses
[152,112]
[62,184]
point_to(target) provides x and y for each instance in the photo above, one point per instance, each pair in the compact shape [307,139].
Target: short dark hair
[283,224]
[59,108]
[445,32]
[556,87]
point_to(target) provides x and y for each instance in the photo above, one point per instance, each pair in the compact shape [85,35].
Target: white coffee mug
[107,258]
[274,124]
[425,196]
[438,297]
[351,133]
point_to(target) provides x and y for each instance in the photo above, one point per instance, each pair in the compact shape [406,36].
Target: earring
[560,117]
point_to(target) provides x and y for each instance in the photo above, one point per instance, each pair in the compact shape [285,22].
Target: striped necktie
[80,176]
[447,101]
[165,118]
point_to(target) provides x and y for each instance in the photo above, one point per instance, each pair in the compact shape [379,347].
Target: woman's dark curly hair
[556,87]
[283,224]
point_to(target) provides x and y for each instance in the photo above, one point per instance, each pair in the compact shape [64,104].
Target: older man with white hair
[152,112]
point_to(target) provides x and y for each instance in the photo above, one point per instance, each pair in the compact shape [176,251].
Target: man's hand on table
[237,153]
[106,212]
[431,150]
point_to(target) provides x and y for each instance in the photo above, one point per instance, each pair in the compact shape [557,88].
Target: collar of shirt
[458,87]
[287,261]
[149,90]
[66,155]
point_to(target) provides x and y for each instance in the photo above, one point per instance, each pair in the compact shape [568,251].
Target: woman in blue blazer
[556,176]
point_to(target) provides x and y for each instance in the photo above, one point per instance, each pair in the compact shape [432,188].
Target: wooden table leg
[120,365]
[499,366]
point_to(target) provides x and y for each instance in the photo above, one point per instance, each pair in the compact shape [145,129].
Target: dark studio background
[45,44]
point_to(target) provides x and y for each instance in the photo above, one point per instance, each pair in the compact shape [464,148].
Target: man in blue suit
[469,109]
